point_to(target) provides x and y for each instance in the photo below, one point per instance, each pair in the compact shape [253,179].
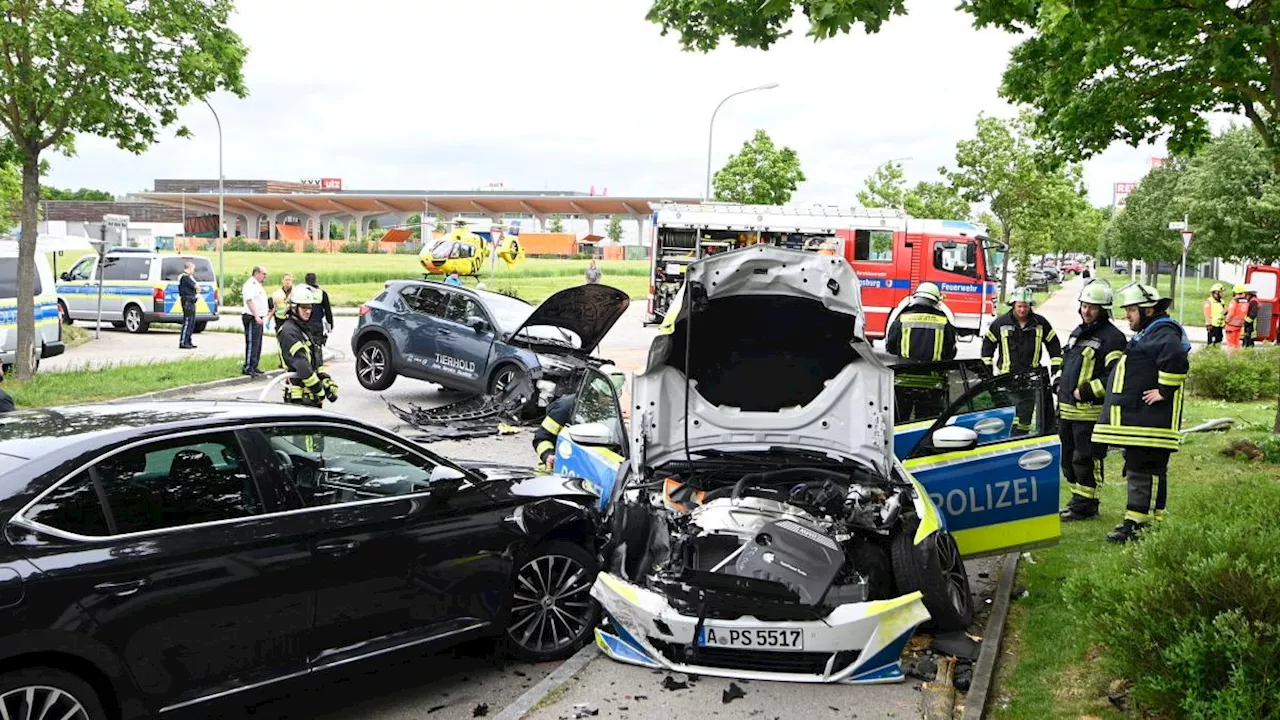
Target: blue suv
[482,342]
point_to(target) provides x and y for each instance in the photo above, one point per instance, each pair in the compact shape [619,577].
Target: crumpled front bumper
[856,643]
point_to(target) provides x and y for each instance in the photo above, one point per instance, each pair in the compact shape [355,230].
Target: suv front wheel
[134,322]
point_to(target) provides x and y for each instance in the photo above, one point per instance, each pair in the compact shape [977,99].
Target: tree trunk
[27,264]
[1004,265]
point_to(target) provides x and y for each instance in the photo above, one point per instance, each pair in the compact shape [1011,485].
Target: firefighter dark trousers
[1082,464]
[921,403]
[1215,335]
[1147,472]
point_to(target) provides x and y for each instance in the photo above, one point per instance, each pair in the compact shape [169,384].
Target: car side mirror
[591,434]
[478,324]
[954,437]
[66,276]
[444,472]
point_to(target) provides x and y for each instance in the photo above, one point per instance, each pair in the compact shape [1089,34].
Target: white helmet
[304,295]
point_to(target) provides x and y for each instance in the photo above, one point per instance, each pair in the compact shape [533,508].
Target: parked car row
[167,555]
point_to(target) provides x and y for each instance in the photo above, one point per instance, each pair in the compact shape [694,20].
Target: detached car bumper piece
[857,643]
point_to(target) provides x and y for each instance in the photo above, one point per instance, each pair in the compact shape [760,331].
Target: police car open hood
[587,311]
[777,360]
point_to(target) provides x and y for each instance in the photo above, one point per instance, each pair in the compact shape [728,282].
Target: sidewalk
[1062,311]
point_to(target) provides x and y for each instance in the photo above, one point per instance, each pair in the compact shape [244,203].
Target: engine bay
[791,542]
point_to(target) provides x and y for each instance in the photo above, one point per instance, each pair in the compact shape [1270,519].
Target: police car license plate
[783,639]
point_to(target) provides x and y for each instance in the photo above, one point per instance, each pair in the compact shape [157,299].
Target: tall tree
[760,174]
[936,200]
[1141,229]
[556,225]
[1095,73]
[614,230]
[885,187]
[109,68]
[1004,167]
[1229,191]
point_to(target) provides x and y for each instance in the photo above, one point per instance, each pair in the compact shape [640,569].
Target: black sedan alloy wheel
[552,611]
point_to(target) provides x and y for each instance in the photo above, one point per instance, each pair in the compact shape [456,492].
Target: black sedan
[162,555]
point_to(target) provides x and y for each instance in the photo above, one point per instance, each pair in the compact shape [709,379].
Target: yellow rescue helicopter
[465,252]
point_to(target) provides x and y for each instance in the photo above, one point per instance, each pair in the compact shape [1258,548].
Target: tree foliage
[1141,229]
[1232,197]
[440,225]
[614,229]
[885,187]
[556,225]
[760,174]
[108,68]
[86,194]
[10,196]
[936,200]
[1095,73]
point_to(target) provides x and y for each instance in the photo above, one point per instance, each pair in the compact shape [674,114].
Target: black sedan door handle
[337,547]
[121,589]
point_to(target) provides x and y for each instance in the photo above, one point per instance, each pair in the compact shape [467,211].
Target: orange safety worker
[1237,315]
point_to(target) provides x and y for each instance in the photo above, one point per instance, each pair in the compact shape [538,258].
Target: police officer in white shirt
[253,318]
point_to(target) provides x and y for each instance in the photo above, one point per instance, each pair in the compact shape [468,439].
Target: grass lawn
[1048,669]
[1197,291]
[73,387]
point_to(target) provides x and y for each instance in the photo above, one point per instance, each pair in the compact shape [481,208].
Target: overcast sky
[567,94]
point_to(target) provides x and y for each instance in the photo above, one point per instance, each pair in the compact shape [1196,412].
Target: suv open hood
[588,311]
[778,360]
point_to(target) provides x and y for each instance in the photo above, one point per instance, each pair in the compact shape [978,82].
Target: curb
[548,684]
[199,387]
[976,699]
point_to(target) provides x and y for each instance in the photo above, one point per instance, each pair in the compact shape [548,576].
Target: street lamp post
[222,216]
[711,130]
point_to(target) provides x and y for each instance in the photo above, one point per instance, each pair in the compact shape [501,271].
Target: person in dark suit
[188,291]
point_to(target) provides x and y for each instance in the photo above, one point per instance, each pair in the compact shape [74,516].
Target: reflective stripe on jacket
[1238,312]
[1155,359]
[1020,346]
[558,412]
[1215,312]
[922,333]
[297,353]
[1092,351]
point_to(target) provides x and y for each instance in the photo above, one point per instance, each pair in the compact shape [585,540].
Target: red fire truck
[1265,279]
[891,253]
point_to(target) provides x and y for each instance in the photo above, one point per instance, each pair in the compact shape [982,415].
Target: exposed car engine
[793,542]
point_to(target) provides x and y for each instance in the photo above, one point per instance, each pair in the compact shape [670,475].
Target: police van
[139,287]
[48,332]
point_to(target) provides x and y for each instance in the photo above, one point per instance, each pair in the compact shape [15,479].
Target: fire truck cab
[890,252]
[1265,279]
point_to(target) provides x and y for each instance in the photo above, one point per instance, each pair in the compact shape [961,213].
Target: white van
[139,287]
[48,329]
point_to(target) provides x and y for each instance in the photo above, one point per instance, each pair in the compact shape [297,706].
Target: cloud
[566,94]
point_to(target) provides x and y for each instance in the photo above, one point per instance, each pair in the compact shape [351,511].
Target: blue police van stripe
[985,488]
[47,310]
[597,473]
[952,288]
[139,290]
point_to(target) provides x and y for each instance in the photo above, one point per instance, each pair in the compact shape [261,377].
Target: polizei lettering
[992,496]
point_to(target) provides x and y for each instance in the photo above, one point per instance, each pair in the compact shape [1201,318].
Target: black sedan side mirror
[66,276]
[478,324]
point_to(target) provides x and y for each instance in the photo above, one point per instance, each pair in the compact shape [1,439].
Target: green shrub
[1248,374]
[231,294]
[279,246]
[355,247]
[1192,612]
[243,244]
[407,248]
[310,247]
[510,291]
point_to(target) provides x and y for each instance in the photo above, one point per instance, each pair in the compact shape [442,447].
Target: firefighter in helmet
[1215,314]
[922,332]
[1237,315]
[1142,412]
[1250,332]
[1092,350]
[1022,336]
[559,412]
[310,384]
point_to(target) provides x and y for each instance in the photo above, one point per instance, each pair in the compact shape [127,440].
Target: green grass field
[351,279]
[48,389]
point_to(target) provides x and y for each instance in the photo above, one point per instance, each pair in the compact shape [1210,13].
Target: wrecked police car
[775,534]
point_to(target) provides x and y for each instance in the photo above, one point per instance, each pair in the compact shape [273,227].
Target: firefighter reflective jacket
[1238,311]
[558,412]
[298,353]
[923,333]
[1020,347]
[1156,358]
[1215,312]
[1092,351]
